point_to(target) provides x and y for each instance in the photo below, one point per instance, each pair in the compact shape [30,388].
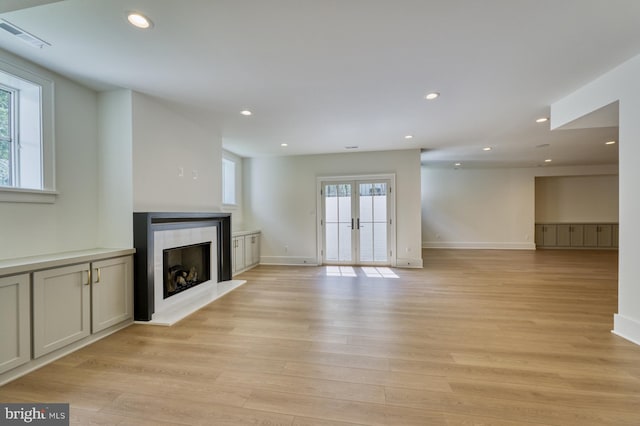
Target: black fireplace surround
[145,224]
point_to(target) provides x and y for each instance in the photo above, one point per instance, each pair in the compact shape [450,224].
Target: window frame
[47,192]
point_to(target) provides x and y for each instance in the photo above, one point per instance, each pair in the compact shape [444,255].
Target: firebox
[186,267]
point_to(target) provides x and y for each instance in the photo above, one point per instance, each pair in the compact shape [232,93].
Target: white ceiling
[320,75]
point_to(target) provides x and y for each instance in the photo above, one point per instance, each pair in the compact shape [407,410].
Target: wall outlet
[286,249]
[180,171]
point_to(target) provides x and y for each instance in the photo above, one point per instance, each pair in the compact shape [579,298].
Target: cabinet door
[61,307]
[111,292]
[577,235]
[248,252]
[15,322]
[540,235]
[564,235]
[550,236]
[238,254]
[604,235]
[255,249]
[590,235]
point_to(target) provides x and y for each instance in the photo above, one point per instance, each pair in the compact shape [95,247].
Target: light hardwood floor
[474,338]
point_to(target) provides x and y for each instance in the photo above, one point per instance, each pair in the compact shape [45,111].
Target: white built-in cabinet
[112,292]
[71,302]
[581,235]
[51,305]
[61,310]
[245,249]
[15,321]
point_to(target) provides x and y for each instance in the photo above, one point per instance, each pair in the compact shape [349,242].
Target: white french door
[356,223]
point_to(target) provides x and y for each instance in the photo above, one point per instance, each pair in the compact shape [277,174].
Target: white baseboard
[627,328]
[288,260]
[409,263]
[478,245]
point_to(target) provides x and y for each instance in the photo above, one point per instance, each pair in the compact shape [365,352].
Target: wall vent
[22,34]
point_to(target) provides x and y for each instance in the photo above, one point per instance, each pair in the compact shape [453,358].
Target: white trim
[409,263]
[478,245]
[627,328]
[288,261]
[23,195]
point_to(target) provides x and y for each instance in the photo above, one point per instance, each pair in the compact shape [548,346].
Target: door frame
[391,213]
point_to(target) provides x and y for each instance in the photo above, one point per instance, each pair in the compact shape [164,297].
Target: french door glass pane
[373,222]
[338,222]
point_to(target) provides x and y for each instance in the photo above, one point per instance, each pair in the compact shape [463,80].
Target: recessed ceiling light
[431,96]
[409,137]
[542,120]
[246,112]
[548,160]
[138,20]
[458,164]
[486,148]
[284,144]
[610,143]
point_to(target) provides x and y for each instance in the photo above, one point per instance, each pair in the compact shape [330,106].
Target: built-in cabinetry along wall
[577,211]
[52,305]
[245,250]
[577,235]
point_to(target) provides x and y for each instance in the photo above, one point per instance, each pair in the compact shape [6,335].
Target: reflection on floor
[367,271]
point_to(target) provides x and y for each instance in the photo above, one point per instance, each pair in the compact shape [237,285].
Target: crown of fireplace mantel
[145,224]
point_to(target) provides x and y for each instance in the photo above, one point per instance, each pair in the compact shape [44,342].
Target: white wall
[115,166]
[477,208]
[575,199]
[621,84]
[167,139]
[70,223]
[281,200]
[485,208]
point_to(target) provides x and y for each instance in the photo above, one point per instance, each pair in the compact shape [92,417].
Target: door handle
[352,223]
[358,223]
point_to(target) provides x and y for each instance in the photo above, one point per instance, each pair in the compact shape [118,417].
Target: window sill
[21,195]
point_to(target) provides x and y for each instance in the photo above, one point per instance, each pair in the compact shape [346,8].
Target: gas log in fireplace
[175,254]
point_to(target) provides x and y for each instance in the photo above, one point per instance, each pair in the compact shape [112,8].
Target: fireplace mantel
[144,226]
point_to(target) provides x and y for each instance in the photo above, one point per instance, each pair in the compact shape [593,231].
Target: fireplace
[185,267]
[177,256]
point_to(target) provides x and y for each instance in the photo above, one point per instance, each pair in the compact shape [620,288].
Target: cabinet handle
[98,273]
[88,277]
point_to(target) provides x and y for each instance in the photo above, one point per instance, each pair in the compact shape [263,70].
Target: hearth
[177,254]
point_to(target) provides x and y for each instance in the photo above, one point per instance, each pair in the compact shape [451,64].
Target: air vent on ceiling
[23,35]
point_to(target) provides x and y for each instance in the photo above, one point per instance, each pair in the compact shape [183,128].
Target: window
[7,135]
[26,136]
[228,181]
